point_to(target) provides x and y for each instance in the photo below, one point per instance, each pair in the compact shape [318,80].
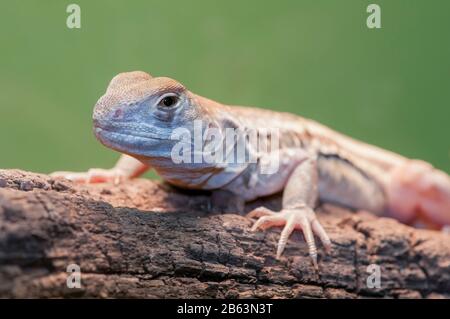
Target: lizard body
[138,115]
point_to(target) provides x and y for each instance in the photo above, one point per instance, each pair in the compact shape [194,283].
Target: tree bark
[146,239]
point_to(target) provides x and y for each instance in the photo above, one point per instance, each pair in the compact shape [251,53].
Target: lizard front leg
[125,168]
[299,197]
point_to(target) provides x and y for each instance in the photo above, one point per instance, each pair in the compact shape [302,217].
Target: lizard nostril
[118,113]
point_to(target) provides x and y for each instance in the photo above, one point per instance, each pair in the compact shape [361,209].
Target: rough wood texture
[144,239]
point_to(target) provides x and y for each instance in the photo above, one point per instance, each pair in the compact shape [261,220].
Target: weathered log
[146,239]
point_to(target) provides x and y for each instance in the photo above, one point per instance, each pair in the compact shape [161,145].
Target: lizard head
[138,114]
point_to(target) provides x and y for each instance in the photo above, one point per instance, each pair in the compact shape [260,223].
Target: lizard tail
[419,193]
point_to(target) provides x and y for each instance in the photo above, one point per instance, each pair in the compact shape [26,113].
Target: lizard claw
[302,218]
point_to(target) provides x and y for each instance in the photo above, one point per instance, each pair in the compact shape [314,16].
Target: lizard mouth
[102,131]
[127,141]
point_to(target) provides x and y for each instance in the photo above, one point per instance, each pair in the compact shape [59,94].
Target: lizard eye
[169,100]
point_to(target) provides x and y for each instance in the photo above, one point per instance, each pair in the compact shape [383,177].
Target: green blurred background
[389,87]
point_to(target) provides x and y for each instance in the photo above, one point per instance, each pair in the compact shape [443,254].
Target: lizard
[138,114]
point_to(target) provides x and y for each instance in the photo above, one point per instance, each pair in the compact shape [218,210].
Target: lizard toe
[94,175]
[260,212]
[300,218]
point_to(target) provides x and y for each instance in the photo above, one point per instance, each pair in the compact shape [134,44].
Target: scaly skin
[138,114]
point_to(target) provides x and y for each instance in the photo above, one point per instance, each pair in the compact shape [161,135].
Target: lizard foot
[94,175]
[302,218]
